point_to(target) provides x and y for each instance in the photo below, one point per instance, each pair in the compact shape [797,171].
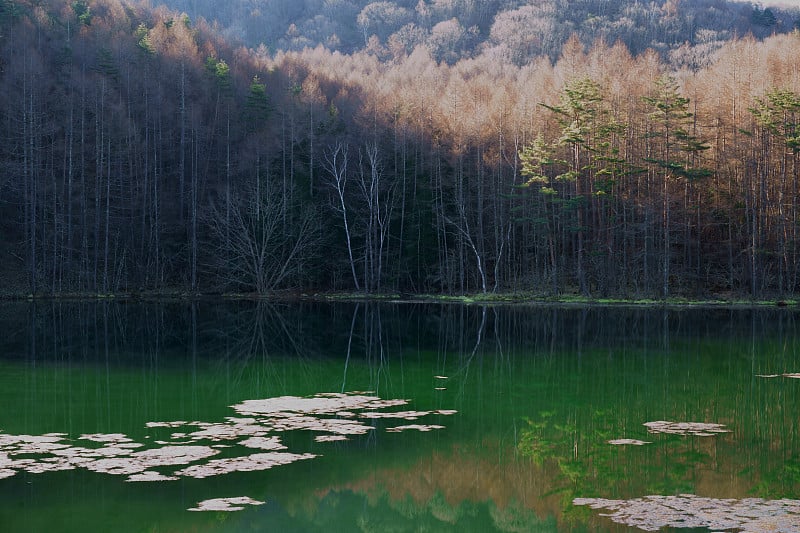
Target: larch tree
[676,156]
[581,115]
[778,115]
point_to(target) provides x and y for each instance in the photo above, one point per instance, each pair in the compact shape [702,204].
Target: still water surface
[243,416]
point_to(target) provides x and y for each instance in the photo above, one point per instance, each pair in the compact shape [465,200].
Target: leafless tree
[261,253]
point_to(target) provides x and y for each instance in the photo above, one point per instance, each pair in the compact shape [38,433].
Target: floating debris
[122,466]
[440,377]
[698,429]
[174,455]
[417,427]
[225,504]
[250,463]
[115,438]
[626,442]
[176,424]
[330,438]
[334,416]
[327,403]
[263,443]
[50,464]
[130,445]
[440,388]
[652,513]
[30,444]
[233,429]
[407,415]
[150,475]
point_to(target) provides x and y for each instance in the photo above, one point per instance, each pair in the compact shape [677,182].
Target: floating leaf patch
[115,438]
[330,438]
[150,475]
[626,442]
[191,444]
[652,513]
[418,427]
[263,443]
[225,504]
[250,463]
[328,403]
[699,429]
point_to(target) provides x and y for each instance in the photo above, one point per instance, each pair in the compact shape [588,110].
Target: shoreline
[489,299]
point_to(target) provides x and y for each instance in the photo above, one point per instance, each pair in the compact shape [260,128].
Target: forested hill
[141,152]
[516,30]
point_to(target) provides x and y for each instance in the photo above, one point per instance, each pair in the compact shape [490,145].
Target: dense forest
[514,30]
[608,148]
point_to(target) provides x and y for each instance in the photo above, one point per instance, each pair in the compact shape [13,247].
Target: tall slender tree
[677,156]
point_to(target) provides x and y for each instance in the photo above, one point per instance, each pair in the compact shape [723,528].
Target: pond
[249,416]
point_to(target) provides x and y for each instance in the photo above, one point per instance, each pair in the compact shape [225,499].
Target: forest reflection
[243,330]
[551,401]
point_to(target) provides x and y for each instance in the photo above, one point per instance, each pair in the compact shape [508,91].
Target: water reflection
[243,330]
[552,405]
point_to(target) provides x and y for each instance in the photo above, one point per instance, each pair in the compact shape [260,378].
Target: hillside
[516,30]
[142,152]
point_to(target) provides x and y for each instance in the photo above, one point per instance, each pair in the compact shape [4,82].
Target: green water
[518,403]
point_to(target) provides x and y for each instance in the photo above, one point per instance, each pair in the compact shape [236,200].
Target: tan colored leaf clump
[328,403]
[652,513]
[225,504]
[699,429]
[418,427]
[628,442]
[334,416]
[250,463]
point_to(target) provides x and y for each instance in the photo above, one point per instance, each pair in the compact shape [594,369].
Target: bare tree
[251,247]
[335,163]
[378,200]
